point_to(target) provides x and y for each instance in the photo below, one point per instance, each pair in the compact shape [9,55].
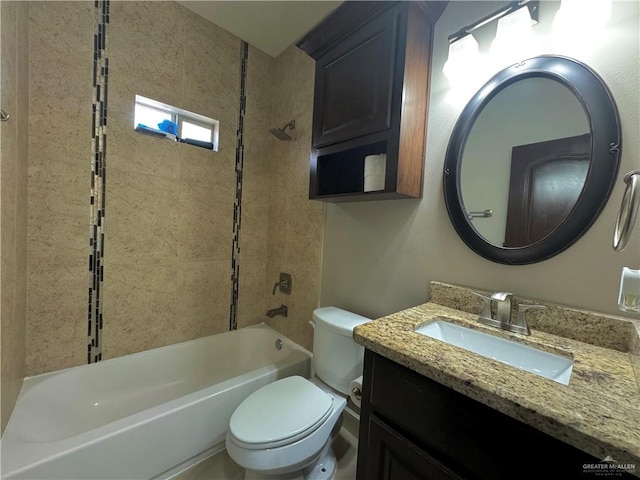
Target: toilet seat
[279,414]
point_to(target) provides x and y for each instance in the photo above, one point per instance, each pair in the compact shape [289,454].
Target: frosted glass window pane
[195,132]
[150,117]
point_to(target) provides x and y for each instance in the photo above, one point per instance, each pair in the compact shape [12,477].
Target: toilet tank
[337,359]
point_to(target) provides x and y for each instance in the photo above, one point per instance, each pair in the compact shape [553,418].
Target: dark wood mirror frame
[606,139]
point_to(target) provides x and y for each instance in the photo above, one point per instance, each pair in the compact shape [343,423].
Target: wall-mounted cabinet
[370,98]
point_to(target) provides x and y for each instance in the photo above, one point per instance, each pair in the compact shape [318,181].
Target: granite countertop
[598,412]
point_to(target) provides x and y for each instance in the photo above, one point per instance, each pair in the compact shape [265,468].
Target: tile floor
[221,467]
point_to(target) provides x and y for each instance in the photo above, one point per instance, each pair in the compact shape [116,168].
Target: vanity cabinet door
[394,457]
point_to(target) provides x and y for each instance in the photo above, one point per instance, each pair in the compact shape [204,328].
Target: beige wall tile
[213,169]
[295,222]
[256,187]
[205,295]
[58,183]
[211,69]
[141,224]
[252,287]
[142,303]
[59,191]
[146,50]
[60,58]
[13,185]
[205,227]
[56,306]
[16,336]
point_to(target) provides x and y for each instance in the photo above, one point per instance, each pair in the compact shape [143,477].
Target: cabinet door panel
[393,457]
[354,83]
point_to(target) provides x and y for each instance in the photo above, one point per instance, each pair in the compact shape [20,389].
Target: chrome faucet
[281,310]
[503,302]
[503,317]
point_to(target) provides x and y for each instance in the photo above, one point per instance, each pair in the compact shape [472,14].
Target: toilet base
[322,468]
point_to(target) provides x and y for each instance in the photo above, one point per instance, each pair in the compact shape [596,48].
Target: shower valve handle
[284,284]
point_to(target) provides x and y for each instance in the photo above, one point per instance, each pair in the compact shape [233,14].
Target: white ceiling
[270,26]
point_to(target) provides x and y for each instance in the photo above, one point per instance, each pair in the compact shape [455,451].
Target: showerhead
[280,133]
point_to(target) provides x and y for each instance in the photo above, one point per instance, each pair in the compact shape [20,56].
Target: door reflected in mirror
[526,158]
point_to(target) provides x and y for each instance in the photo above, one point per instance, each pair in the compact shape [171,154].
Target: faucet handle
[502,296]
[486,309]
[522,314]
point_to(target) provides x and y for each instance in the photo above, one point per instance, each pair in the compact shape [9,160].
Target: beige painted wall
[14,98]
[169,207]
[380,256]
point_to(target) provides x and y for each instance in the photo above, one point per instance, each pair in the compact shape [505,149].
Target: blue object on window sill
[169,127]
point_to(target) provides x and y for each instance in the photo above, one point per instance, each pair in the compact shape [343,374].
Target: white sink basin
[545,364]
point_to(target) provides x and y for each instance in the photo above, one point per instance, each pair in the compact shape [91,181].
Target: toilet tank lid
[337,320]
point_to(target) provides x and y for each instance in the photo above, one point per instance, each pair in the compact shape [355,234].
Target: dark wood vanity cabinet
[412,427]
[370,97]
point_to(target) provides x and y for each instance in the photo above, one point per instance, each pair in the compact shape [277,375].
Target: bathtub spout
[281,310]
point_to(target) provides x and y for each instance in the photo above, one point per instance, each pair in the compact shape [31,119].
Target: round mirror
[532,160]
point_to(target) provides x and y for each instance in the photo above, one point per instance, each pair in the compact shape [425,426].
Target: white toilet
[285,429]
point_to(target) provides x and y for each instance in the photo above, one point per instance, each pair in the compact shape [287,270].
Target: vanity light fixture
[463,57]
[582,15]
[514,37]
[463,48]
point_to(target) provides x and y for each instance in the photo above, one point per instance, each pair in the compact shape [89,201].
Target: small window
[150,117]
[165,121]
[195,131]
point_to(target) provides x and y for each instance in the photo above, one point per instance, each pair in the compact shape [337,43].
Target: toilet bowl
[285,429]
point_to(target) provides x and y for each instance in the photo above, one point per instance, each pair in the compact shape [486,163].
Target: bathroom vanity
[431,410]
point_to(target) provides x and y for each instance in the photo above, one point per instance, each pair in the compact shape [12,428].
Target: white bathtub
[142,416]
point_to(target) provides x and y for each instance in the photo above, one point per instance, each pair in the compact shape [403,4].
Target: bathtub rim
[76,442]
[258,326]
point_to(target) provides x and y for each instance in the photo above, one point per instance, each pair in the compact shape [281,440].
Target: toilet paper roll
[355,391]
[374,182]
[629,296]
[375,168]
[375,164]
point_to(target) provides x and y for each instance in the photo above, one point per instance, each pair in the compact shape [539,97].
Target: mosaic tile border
[98,180]
[237,203]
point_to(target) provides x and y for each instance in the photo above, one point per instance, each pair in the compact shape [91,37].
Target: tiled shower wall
[295,223]
[60,83]
[169,207]
[14,97]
